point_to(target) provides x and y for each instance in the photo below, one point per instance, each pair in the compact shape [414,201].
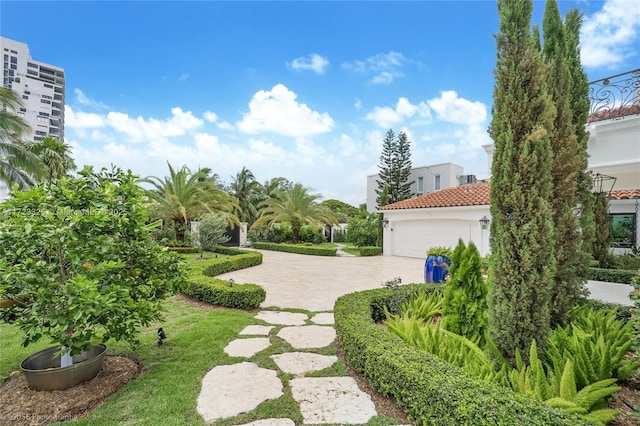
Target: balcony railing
[614,97]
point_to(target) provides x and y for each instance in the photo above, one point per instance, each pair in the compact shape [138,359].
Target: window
[47,97]
[32,72]
[623,230]
[32,65]
[436,183]
[49,86]
[45,101]
[14,60]
[25,97]
[26,92]
[420,185]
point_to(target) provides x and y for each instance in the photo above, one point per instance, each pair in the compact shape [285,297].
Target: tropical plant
[246,190]
[395,169]
[17,164]
[182,196]
[55,155]
[211,232]
[297,206]
[342,210]
[78,264]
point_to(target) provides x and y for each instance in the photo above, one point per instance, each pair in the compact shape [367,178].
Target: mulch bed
[21,406]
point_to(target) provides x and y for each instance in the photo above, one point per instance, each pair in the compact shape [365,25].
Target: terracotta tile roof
[613,113]
[624,194]
[466,195]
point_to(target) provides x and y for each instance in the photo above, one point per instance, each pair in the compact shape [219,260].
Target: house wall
[614,150]
[411,232]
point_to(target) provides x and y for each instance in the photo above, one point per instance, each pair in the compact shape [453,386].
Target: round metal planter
[43,372]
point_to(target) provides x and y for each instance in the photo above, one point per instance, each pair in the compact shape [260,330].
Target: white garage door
[414,238]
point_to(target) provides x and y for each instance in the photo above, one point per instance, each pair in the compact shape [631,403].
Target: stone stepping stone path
[229,390]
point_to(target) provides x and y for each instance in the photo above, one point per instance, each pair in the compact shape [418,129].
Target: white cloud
[183,77]
[140,129]
[225,125]
[82,120]
[314,62]
[610,36]
[385,66]
[210,116]
[386,116]
[277,111]
[84,100]
[357,104]
[449,107]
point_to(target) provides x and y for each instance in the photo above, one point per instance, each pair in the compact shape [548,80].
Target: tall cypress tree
[522,262]
[566,168]
[580,105]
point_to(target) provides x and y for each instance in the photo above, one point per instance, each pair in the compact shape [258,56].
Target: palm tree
[183,196]
[297,206]
[17,164]
[247,191]
[56,157]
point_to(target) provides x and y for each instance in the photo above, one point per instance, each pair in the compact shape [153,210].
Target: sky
[303,90]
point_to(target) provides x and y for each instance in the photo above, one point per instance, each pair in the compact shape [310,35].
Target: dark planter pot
[43,372]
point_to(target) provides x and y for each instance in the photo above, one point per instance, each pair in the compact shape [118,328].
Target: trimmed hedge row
[239,260]
[184,250]
[623,276]
[221,292]
[295,248]
[370,251]
[430,391]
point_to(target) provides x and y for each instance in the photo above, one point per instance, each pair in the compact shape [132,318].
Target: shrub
[312,234]
[211,232]
[223,293]
[622,276]
[465,295]
[296,248]
[429,390]
[234,262]
[370,251]
[339,235]
[363,231]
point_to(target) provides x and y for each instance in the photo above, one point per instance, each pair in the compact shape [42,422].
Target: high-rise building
[40,86]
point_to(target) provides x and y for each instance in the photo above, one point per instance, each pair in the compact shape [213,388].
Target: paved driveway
[315,282]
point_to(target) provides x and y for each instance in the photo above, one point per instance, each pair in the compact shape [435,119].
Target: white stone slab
[247,347]
[336,400]
[308,336]
[299,363]
[282,318]
[256,330]
[228,390]
[325,318]
[271,422]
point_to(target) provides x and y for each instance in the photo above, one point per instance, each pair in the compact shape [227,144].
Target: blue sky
[304,90]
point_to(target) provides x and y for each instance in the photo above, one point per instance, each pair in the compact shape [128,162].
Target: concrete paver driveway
[315,282]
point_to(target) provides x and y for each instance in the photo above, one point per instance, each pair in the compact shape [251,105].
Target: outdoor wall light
[484,222]
[385,222]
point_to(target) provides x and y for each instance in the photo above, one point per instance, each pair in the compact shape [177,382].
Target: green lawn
[167,392]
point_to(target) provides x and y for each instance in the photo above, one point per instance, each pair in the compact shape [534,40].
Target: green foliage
[370,251]
[339,235]
[342,210]
[422,306]
[238,259]
[597,343]
[223,293]
[465,295]
[363,231]
[183,250]
[297,206]
[211,232]
[296,248]
[395,169]
[611,275]
[312,234]
[441,251]
[522,231]
[429,390]
[78,262]
[602,242]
